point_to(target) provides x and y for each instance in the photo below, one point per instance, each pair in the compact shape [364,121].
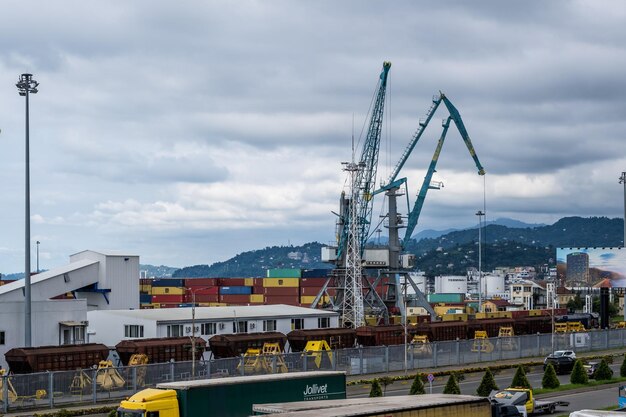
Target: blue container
[145,298]
[235,290]
[315,273]
[169,282]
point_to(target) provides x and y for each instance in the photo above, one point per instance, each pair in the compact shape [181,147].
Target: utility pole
[38,256]
[622,180]
[480,213]
[26,86]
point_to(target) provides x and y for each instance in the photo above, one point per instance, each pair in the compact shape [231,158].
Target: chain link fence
[90,386]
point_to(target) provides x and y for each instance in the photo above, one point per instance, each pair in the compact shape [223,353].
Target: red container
[258,289]
[205,291]
[203,298]
[312,282]
[167,298]
[291,291]
[200,282]
[231,282]
[235,298]
[519,313]
[170,305]
[258,282]
[282,299]
[310,291]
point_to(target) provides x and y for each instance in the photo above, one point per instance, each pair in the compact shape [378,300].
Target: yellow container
[145,288]
[371,320]
[168,291]
[455,317]
[217,304]
[248,282]
[506,315]
[257,298]
[534,312]
[307,299]
[156,305]
[281,282]
[326,299]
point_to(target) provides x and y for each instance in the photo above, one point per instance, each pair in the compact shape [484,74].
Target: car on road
[562,361]
[590,368]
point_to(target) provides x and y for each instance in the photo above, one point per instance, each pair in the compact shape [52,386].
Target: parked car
[562,361]
[591,368]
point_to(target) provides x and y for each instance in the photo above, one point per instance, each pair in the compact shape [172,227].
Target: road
[598,398]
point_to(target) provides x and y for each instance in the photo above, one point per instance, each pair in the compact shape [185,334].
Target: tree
[579,375]
[603,372]
[376,390]
[487,384]
[520,380]
[622,369]
[418,385]
[550,380]
[384,381]
[452,386]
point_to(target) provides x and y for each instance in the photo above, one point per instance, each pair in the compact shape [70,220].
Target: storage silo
[493,285]
[446,284]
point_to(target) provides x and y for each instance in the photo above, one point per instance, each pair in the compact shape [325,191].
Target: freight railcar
[161,349]
[233,345]
[25,360]
[337,338]
[589,320]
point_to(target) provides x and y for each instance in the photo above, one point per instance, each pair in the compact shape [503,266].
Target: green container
[284,273]
[446,298]
[234,396]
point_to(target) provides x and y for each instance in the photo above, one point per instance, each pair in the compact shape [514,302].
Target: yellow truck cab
[524,400]
[150,403]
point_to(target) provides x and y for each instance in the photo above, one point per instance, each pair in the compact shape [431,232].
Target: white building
[98,280]
[521,292]
[111,326]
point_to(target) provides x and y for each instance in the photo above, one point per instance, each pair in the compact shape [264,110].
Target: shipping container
[234,345]
[168,282]
[231,282]
[248,282]
[385,335]
[160,350]
[315,273]
[27,360]
[284,273]
[290,291]
[145,298]
[202,298]
[167,299]
[234,299]
[200,282]
[282,299]
[446,298]
[308,299]
[202,290]
[312,282]
[235,396]
[168,290]
[281,282]
[257,298]
[235,290]
[308,291]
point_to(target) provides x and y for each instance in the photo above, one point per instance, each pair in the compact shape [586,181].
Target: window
[269,326]
[297,324]
[2,338]
[175,330]
[152,414]
[79,334]
[133,330]
[209,328]
[323,322]
[240,327]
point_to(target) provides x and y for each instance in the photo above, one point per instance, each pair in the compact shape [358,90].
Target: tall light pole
[193,327]
[622,180]
[26,86]
[38,256]
[480,215]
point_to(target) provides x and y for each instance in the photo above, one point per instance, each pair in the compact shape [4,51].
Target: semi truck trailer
[232,397]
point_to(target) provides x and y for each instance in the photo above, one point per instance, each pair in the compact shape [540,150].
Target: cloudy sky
[187,132]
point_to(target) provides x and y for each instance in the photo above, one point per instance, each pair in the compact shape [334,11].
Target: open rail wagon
[161,349]
[337,338]
[25,360]
[233,345]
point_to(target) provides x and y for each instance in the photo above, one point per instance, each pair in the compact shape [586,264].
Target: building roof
[605,283]
[36,278]
[499,302]
[106,253]
[218,313]
[564,291]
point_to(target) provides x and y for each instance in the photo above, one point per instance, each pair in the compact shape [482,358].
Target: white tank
[493,284]
[450,284]
[420,281]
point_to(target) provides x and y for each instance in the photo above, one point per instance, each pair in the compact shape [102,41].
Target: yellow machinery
[12,393]
[107,376]
[139,360]
[560,328]
[258,360]
[505,338]
[421,346]
[481,342]
[80,383]
[575,326]
[621,325]
[315,350]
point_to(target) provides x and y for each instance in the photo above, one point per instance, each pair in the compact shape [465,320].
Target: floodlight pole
[26,86]
[480,213]
[622,180]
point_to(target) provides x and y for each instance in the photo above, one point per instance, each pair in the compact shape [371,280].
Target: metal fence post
[606,338]
[435,355]
[208,369]
[242,366]
[334,360]
[134,376]
[519,348]
[386,358]
[305,358]
[458,351]
[172,370]
[94,386]
[5,394]
[274,364]
[51,389]
[412,358]
[360,360]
